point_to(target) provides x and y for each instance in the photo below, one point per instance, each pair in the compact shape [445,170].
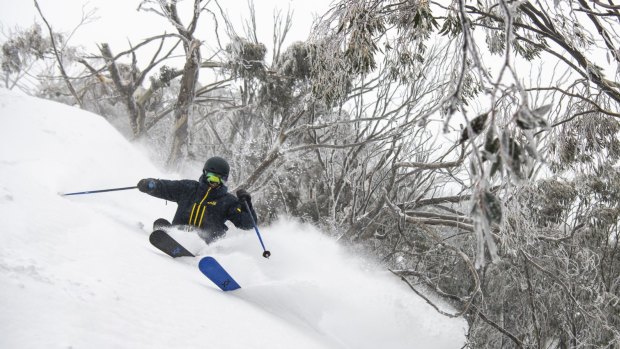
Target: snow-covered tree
[534,85]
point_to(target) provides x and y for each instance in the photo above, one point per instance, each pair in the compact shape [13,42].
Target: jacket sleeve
[170,190]
[240,217]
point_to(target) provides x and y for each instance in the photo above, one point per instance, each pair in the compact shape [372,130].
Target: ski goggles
[213,178]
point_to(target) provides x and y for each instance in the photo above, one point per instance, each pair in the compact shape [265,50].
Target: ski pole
[99,191]
[266,253]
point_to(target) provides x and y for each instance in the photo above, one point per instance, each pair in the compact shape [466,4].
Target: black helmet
[218,166]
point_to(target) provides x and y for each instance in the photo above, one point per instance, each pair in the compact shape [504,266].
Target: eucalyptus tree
[20,52]
[535,85]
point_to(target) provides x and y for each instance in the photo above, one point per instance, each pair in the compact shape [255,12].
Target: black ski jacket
[203,207]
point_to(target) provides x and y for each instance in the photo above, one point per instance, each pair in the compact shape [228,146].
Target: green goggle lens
[213,178]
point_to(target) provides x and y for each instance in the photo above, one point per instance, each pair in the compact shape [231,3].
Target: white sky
[119,21]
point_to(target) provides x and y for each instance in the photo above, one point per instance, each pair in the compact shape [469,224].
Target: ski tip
[208,263]
[207,259]
[157,235]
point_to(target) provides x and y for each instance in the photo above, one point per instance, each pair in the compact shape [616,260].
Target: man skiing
[203,205]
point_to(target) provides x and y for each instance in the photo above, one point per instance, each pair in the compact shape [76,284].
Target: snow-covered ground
[79,272]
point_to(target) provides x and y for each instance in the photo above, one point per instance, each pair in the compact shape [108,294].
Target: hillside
[78,272]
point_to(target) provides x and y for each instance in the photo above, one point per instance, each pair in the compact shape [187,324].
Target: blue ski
[214,271]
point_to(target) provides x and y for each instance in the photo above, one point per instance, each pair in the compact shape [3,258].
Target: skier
[203,205]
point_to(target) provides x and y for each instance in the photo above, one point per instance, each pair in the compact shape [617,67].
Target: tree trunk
[126,89]
[184,104]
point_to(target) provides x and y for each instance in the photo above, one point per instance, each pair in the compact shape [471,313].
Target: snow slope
[78,272]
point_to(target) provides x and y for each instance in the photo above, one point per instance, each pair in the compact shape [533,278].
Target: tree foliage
[526,192]
[20,52]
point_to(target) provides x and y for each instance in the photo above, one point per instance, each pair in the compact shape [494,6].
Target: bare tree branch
[59,57]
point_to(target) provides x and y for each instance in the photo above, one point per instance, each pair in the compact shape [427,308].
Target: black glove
[244,196]
[147,185]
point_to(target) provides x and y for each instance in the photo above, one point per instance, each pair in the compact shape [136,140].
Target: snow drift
[78,272]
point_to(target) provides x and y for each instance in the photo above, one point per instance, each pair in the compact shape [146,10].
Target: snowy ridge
[78,272]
